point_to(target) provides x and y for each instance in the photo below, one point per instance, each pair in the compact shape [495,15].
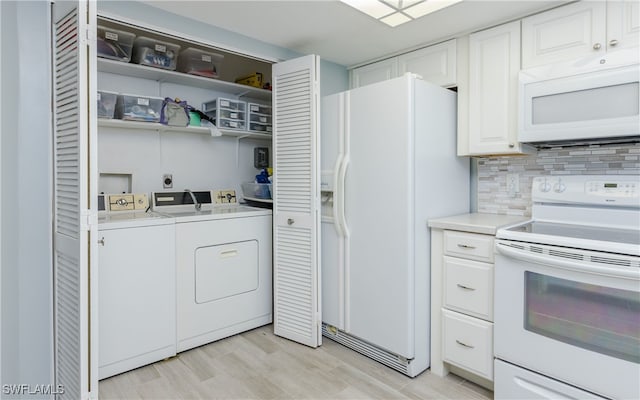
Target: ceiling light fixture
[396,12]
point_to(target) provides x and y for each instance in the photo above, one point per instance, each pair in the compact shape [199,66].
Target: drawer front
[468,287]
[468,343]
[473,246]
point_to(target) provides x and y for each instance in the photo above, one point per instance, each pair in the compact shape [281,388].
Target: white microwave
[571,104]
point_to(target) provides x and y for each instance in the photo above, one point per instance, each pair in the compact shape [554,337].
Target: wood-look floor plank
[259,365]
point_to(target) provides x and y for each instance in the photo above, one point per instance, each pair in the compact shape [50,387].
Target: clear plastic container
[260,119]
[139,108]
[256,190]
[230,124]
[154,53]
[198,62]
[106,104]
[114,44]
[227,113]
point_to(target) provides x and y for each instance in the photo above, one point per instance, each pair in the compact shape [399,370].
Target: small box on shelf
[114,44]
[154,53]
[106,104]
[139,108]
[198,62]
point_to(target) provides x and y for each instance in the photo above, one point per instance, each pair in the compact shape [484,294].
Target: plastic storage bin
[106,104]
[257,190]
[227,113]
[139,108]
[260,118]
[114,44]
[154,53]
[199,62]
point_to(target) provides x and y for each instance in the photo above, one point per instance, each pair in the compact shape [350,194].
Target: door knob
[290,221]
[597,46]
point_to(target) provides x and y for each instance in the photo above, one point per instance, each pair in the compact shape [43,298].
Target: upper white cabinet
[494,63]
[436,64]
[376,72]
[579,29]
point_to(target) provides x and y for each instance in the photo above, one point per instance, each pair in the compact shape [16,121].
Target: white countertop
[476,222]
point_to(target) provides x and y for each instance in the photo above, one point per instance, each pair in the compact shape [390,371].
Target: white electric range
[223,264]
[567,292]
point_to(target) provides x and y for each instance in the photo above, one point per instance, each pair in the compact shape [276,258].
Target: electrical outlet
[225,196]
[513,184]
[167,181]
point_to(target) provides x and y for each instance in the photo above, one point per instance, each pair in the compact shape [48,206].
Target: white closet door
[296,210]
[75,211]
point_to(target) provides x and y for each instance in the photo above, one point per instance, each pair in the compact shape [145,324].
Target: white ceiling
[338,32]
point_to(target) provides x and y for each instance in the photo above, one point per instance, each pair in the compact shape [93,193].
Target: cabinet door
[75,198]
[296,201]
[435,64]
[623,25]
[564,33]
[494,62]
[376,72]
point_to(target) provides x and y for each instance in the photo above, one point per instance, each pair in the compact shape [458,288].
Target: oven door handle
[613,271]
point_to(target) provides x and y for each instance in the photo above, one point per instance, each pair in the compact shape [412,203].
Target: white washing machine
[136,285]
[223,266]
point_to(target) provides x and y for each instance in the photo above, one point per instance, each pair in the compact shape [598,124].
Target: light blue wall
[27,333]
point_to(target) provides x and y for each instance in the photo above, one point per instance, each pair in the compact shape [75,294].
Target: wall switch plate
[513,184]
[225,196]
[167,181]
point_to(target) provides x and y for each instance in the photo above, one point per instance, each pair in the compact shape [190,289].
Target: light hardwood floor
[260,365]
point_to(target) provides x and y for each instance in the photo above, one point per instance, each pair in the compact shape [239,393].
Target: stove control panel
[616,191]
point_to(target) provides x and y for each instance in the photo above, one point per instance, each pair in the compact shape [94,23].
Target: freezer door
[333,236]
[379,216]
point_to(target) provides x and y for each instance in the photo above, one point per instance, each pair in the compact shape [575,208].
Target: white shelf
[268,201]
[120,124]
[163,75]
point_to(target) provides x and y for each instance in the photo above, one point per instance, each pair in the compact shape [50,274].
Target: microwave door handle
[620,272]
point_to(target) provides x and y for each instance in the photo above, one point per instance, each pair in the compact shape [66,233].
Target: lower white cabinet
[136,297]
[468,343]
[462,274]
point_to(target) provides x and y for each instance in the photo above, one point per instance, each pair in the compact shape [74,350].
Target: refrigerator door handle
[336,194]
[340,188]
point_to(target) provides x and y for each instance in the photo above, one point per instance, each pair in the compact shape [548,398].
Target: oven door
[573,315]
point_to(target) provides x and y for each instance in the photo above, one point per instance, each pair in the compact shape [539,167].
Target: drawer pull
[464,344]
[465,287]
[466,246]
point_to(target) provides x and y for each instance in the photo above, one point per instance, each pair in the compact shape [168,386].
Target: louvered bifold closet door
[296,212]
[75,164]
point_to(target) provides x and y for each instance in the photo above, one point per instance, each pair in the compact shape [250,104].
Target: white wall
[26,269]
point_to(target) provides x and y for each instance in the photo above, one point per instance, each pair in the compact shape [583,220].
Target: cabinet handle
[512,145]
[101,241]
[466,246]
[290,221]
[613,43]
[464,344]
[597,46]
[465,287]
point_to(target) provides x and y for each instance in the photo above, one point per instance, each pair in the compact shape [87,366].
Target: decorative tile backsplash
[494,198]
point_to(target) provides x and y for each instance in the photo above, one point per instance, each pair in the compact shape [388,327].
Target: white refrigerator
[388,164]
